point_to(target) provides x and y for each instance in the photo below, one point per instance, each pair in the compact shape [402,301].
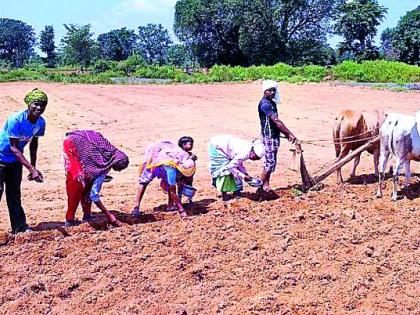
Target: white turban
[268,84]
[258,148]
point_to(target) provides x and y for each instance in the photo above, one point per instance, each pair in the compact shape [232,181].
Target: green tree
[131,64]
[117,44]
[180,55]
[285,30]
[386,49]
[312,52]
[259,36]
[47,44]
[211,29]
[17,40]
[245,32]
[153,43]
[78,46]
[357,21]
[406,38]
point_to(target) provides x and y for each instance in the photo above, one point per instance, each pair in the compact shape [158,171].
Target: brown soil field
[338,250]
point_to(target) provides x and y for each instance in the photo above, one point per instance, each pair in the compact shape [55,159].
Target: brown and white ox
[352,129]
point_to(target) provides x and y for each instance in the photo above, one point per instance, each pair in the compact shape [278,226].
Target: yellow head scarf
[36,95]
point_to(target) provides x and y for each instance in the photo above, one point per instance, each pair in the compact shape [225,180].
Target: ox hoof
[394,198]
[378,195]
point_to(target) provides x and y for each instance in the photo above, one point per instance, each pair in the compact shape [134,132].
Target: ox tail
[336,135]
[391,140]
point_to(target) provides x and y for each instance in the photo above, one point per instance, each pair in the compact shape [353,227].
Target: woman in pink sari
[164,160]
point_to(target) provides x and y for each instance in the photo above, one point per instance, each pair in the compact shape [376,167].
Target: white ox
[400,136]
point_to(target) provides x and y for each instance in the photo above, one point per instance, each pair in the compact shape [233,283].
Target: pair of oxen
[399,137]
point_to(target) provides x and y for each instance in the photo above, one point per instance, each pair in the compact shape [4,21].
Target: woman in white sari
[227,154]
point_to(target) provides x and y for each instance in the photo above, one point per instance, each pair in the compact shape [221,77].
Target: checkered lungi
[271,146]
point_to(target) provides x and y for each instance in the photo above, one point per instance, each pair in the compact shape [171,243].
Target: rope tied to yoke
[314,142]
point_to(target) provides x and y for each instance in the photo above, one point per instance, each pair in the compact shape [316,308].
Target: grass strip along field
[106,72]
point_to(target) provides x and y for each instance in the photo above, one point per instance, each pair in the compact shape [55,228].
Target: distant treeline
[378,71]
[224,32]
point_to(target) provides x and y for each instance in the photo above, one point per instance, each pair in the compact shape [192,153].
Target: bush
[368,71]
[131,64]
[21,75]
[379,71]
[104,65]
[5,65]
[161,72]
[313,73]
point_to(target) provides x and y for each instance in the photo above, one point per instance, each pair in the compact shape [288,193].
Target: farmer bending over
[271,127]
[20,129]
[227,154]
[168,162]
[88,157]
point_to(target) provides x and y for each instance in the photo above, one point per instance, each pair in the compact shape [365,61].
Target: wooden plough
[308,181]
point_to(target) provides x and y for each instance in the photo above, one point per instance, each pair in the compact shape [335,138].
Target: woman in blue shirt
[20,129]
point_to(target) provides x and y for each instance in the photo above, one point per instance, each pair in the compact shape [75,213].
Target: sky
[105,15]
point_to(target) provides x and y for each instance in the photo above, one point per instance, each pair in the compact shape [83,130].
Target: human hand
[35,175]
[292,138]
[81,180]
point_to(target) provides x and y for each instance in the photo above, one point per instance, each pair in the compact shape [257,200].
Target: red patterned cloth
[77,186]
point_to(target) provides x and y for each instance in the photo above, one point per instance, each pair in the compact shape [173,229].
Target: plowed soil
[338,250]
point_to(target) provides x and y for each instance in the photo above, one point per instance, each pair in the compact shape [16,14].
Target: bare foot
[266,188]
[116,223]
[171,208]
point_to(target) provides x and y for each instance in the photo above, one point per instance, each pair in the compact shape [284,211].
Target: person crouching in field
[171,164]
[20,129]
[227,154]
[271,127]
[88,157]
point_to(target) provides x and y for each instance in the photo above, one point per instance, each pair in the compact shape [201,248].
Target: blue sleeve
[266,108]
[13,127]
[41,130]
[96,188]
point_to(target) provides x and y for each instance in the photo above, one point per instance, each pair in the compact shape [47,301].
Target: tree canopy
[253,31]
[357,21]
[17,40]
[406,38]
[78,46]
[226,32]
[47,45]
[153,43]
[117,44]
